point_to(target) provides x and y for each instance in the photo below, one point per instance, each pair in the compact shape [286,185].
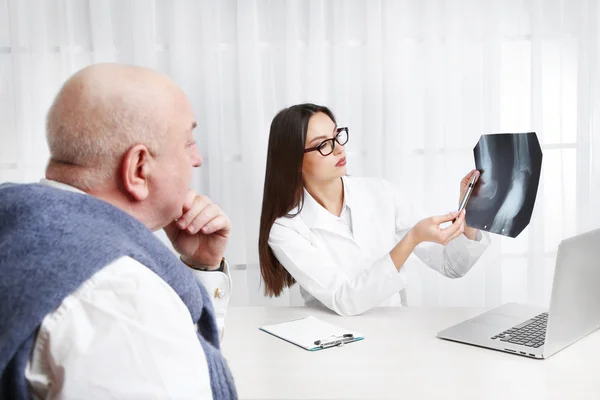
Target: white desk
[400,358]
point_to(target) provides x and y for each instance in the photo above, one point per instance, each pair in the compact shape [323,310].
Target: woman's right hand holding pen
[428,230]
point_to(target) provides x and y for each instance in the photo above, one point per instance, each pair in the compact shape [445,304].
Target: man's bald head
[99,113]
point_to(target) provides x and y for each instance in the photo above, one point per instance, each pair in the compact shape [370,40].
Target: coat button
[219,294]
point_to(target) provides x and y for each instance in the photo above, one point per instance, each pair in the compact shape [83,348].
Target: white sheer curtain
[416,81]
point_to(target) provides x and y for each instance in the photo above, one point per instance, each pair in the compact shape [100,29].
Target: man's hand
[202,232]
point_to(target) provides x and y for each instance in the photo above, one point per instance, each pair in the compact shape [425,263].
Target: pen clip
[334,340]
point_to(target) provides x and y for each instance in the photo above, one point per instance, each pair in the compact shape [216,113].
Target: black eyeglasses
[327,146]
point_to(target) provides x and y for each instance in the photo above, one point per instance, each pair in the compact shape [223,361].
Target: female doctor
[344,239]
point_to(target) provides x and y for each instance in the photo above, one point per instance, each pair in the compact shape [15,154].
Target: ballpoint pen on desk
[335,341]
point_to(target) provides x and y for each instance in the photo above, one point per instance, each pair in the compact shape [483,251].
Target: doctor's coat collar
[317,217]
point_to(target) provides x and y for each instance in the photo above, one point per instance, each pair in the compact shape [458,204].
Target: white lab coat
[344,262]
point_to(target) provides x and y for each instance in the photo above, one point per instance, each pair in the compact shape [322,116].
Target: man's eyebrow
[194,125]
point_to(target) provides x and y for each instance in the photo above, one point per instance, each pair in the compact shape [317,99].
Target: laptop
[538,333]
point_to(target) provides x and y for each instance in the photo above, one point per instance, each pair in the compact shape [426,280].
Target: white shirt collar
[60,185]
[316,216]
[345,205]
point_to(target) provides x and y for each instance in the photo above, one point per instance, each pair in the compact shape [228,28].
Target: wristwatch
[220,269]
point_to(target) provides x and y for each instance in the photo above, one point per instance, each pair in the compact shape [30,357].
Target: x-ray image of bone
[510,165]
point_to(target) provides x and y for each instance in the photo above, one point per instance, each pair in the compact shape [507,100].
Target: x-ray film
[503,199]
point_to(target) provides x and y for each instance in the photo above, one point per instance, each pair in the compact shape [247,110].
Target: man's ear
[135,169]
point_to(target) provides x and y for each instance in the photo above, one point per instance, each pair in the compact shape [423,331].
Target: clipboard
[312,334]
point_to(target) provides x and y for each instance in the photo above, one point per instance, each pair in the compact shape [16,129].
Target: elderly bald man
[92,304]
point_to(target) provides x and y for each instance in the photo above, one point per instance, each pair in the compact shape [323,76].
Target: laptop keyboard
[530,333]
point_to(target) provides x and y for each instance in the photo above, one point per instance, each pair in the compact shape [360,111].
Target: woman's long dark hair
[283,186]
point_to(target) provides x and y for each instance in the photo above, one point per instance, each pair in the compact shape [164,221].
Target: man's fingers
[199,204]
[208,213]
[219,223]
[200,214]
[189,200]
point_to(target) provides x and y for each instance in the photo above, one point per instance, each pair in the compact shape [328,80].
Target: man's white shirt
[124,333]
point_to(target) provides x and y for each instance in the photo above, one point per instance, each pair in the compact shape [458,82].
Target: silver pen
[336,341]
[467,195]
